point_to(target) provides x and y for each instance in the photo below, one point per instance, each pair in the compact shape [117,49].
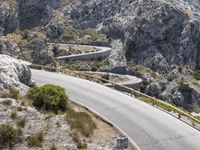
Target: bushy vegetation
[7,102]
[161,105]
[79,143]
[92,65]
[36,140]
[53,147]
[21,122]
[81,121]
[49,98]
[9,135]
[13,115]
[196,74]
[81,124]
[143,86]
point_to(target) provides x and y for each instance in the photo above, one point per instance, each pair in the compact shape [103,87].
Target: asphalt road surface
[149,127]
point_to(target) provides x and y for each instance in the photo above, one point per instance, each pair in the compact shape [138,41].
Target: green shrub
[196,74]
[55,50]
[143,86]
[82,145]
[49,97]
[93,69]
[9,135]
[36,140]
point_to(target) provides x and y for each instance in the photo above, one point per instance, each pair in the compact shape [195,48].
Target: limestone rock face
[117,59]
[167,30]
[13,73]
[40,53]
[33,13]
[8,47]
[191,96]
[8,18]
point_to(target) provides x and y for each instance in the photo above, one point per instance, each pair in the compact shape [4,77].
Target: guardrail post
[179,115]
[131,92]
[153,102]
[113,85]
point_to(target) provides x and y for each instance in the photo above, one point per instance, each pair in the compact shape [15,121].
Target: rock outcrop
[55,129]
[8,47]
[190,97]
[33,13]
[8,17]
[39,50]
[156,34]
[14,73]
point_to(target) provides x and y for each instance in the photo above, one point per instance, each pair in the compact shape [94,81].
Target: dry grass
[12,93]
[36,140]
[81,122]
[12,4]
[13,115]
[21,122]
[79,143]
[53,147]
[7,102]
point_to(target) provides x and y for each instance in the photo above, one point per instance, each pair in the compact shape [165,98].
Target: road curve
[102,53]
[150,128]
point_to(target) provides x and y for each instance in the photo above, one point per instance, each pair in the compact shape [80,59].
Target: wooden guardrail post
[179,115]
[153,103]
[113,85]
[131,92]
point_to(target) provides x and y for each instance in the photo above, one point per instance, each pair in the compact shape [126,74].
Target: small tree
[49,97]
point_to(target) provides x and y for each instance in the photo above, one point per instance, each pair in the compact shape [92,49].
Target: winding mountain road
[149,127]
[102,52]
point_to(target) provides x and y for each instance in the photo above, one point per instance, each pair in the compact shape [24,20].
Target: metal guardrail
[154,101]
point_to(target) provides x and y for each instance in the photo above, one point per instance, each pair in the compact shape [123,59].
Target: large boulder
[14,73]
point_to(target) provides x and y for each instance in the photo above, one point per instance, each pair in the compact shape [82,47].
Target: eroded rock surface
[13,73]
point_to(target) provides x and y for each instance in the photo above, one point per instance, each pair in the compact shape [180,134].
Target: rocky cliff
[156,39]
[156,34]
[14,73]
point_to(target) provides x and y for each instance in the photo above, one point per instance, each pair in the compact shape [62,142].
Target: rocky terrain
[17,111]
[14,73]
[55,129]
[157,40]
